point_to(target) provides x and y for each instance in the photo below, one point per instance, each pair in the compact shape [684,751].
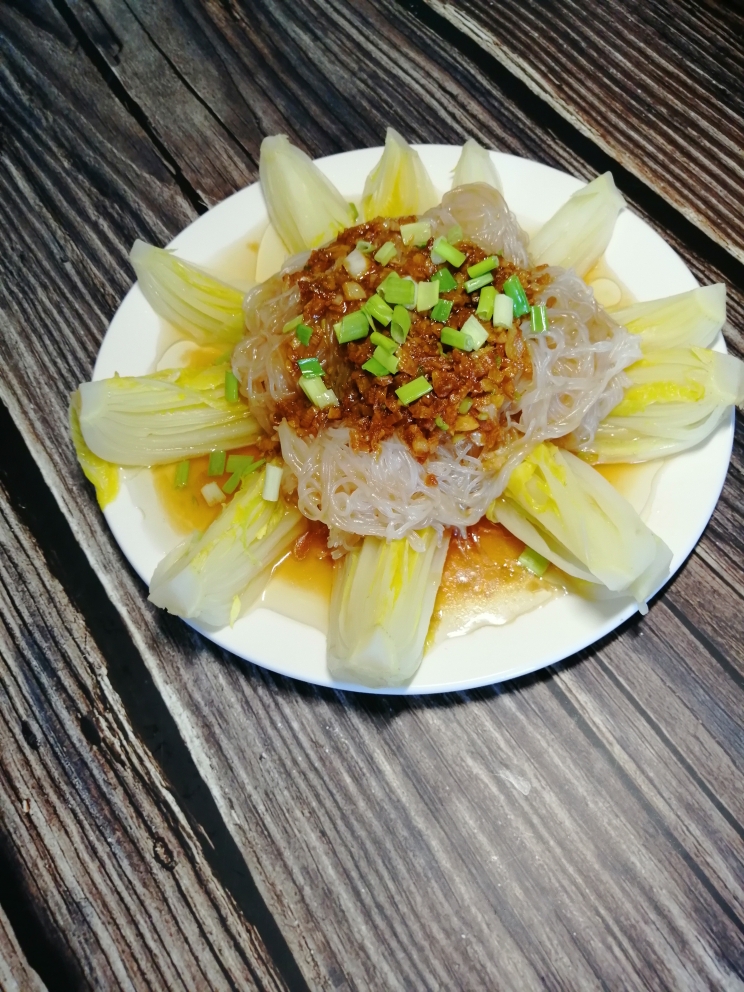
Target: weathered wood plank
[16,974]
[656,84]
[118,877]
[520,837]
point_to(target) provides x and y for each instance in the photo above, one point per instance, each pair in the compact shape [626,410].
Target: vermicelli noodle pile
[574,376]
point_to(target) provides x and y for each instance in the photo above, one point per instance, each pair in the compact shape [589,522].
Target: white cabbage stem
[210,577]
[565,510]
[475,165]
[381,606]
[577,235]
[163,417]
[207,309]
[399,184]
[687,320]
[305,208]
[674,400]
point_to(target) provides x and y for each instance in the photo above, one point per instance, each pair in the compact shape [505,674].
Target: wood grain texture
[579,829]
[118,877]
[656,84]
[16,974]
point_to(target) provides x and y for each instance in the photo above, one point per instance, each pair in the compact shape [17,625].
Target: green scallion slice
[182,475]
[465,406]
[480,268]
[456,339]
[238,463]
[303,333]
[216,462]
[240,473]
[379,339]
[514,289]
[445,279]
[441,311]
[315,390]
[365,247]
[291,324]
[401,324]
[448,252]
[478,283]
[376,307]
[397,290]
[351,327]
[386,359]
[413,390]
[427,294]
[310,367]
[533,561]
[375,367]
[475,331]
[386,254]
[539,318]
[440,423]
[416,234]
[503,311]
[485,303]
[231,387]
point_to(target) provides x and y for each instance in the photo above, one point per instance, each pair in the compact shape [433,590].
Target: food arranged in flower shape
[406,375]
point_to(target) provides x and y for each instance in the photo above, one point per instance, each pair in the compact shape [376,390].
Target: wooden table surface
[171,818]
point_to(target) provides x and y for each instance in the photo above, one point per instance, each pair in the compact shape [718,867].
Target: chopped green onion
[397,290]
[478,283]
[427,294]
[315,390]
[291,324]
[533,561]
[486,301]
[351,327]
[465,406]
[400,325]
[212,494]
[387,359]
[454,234]
[365,247]
[440,423]
[413,390]
[386,254]
[182,475]
[456,339]
[539,318]
[238,463]
[240,473]
[304,332]
[475,331]
[310,367]
[354,211]
[231,387]
[375,367]
[448,252]
[272,481]
[487,265]
[442,311]
[445,279]
[216,462]
[416,234]
[376,307]
[503,311]
[515,290]
[380,339]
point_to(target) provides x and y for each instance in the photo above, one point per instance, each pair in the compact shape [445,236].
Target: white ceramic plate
[685,494]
